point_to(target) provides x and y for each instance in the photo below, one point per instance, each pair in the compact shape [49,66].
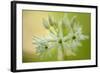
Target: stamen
[60,41]
[46,47]
[74,37]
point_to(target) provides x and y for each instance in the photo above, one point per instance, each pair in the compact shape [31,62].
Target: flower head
[57,39]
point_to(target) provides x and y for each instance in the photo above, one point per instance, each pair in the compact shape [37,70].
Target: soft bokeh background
[32,25]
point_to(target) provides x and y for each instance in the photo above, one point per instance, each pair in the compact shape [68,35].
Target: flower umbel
[65,36]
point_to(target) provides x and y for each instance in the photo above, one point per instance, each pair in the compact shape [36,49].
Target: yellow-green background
[32,25]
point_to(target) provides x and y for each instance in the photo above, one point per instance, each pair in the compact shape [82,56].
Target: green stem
[61,53]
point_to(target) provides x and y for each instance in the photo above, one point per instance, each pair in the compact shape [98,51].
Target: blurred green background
[32,25]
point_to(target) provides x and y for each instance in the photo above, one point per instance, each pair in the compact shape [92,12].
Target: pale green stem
[60,34]
[60,54]
[61,50]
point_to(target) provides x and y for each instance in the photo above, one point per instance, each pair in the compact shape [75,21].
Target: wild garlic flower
[42,45]
[75,35]
[57,39]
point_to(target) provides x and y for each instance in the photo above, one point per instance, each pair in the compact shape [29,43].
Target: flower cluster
[64,35]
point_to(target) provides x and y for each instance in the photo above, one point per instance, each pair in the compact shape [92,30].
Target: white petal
[83,37]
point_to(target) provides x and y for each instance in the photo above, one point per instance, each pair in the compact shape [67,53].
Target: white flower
[42,45]
[75,36]
[66,44]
